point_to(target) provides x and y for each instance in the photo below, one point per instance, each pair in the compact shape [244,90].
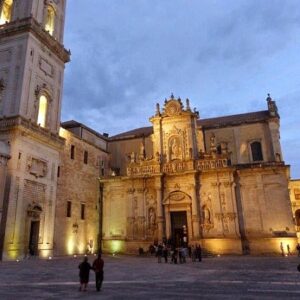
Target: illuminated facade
[32,63]
[294,188]
[66,189]
[220,182]
[78,206]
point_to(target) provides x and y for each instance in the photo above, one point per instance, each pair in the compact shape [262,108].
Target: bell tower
[32,59]
[32,62]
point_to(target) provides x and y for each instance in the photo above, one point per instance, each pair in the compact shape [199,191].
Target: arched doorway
[33,213]
[177,206]
[179,228]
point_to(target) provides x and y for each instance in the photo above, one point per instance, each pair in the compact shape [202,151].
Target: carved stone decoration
[37,167]
[173,107]
[230,216]
[206,215]
[34,210]
[151,218]
[175,148]
[176,196]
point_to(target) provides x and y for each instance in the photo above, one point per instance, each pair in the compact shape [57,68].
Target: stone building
[32,60]
[294,188]
[78,204]
[220,182]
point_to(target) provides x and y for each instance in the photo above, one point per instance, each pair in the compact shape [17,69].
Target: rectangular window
[69,209]
[85,158]
[58,171]
[82,211]
[102,167]
[72,151]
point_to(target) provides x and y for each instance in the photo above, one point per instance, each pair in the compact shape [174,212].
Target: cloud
[223,55]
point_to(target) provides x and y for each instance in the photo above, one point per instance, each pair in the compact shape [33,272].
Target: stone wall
[78,183]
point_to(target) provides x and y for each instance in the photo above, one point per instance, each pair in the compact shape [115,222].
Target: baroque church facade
[67,189]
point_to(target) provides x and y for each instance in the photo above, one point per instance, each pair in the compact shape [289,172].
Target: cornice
[32,26]
[28,128]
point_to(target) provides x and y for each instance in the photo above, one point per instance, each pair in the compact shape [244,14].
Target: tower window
[85,158]
[256,151]
[42,114]
[69,209]
[50,20]
[72,151]
[6,11]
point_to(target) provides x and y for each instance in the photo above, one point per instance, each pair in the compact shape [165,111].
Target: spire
[188,104]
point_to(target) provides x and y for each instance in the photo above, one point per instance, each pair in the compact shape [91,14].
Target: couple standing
[84,272]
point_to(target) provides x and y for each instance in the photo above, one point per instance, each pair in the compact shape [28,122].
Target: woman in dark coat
[84,274]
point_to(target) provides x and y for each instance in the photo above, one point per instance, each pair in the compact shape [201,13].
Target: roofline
[74,124]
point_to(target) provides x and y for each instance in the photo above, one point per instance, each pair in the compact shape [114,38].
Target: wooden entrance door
[179,228]
[34,237]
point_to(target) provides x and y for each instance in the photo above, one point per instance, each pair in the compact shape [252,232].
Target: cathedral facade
[219,182]
[65,189]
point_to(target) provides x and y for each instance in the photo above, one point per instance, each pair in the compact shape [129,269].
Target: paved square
[129,277]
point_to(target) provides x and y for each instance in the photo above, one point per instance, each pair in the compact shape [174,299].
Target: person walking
[281,249]
[298,249]
[84,274]
[199,252]
[165,253]
[98,265]
[159,253]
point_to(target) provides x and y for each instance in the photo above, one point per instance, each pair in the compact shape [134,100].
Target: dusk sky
[225,56]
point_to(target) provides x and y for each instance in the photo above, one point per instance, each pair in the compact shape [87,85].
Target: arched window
[42,114]
[6,10]
[256,151]
[50,20]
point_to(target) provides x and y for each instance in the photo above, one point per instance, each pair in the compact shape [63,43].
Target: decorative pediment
[34,210]
[173,107]
[177,196]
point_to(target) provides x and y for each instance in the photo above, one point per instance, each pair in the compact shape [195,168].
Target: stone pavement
[129,277]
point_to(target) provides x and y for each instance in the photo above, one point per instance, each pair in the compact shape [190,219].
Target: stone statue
[157,109]
[206,215]
[175,149]
[213,147]
[142,151]
[151,218]
[132,157]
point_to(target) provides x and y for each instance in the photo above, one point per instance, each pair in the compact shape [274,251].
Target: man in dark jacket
[98,265]
[84,273]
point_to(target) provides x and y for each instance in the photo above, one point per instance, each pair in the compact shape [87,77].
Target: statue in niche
[206,215]
[151,218]
[175,148]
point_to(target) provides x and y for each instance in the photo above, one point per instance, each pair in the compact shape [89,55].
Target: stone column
[130,213]
[160,216]
[4,157]
[195,214]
